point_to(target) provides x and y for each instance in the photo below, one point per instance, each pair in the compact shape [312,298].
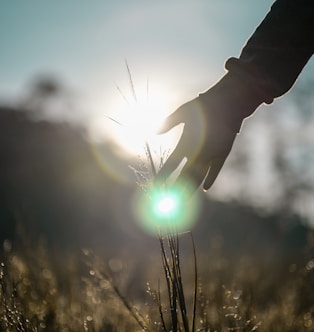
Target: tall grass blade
[122,94]
[130,308]
[158,297]
[150,157]
[131,81]
[195,285]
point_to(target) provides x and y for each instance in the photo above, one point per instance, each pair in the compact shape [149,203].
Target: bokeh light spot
[167,210]
[166,204]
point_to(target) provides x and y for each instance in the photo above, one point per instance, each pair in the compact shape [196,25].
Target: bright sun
[135,121]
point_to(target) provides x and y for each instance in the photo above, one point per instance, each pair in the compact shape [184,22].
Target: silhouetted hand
[211,122]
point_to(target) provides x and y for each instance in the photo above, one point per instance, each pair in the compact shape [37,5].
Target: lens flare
[166,205]
[167,210]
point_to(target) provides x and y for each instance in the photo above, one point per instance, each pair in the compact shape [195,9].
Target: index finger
[171,164]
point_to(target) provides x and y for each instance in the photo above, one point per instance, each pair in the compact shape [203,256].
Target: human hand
[211,122]
[205,143]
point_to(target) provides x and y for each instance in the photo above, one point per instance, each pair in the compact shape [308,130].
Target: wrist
[232,99]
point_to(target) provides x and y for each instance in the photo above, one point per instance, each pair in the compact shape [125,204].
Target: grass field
[45,291]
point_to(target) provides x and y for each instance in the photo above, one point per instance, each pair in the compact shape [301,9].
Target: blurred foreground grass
[45,291]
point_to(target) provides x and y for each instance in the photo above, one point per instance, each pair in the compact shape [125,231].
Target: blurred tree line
[50,182]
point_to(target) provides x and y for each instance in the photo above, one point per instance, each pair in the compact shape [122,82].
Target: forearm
[269,63]
[278,50]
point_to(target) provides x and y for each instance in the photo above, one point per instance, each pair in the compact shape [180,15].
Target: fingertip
[209,181]
[214,170]
[207,185]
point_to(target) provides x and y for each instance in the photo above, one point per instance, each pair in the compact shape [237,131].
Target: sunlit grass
[81,292]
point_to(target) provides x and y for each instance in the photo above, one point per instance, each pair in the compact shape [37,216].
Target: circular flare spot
[166,210]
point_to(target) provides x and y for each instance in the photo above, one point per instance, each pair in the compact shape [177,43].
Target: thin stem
[131,81]
[166,267]
[151,161]
[122,94]
[195,284]
[158,297]
[134,313]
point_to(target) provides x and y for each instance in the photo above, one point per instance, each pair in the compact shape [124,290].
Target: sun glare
[135,121]
[131,124]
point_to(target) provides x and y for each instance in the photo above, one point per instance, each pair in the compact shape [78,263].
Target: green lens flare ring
[166,209]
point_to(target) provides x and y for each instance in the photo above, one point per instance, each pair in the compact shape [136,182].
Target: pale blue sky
[181,43]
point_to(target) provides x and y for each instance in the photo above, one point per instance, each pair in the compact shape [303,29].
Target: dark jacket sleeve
[276,53]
